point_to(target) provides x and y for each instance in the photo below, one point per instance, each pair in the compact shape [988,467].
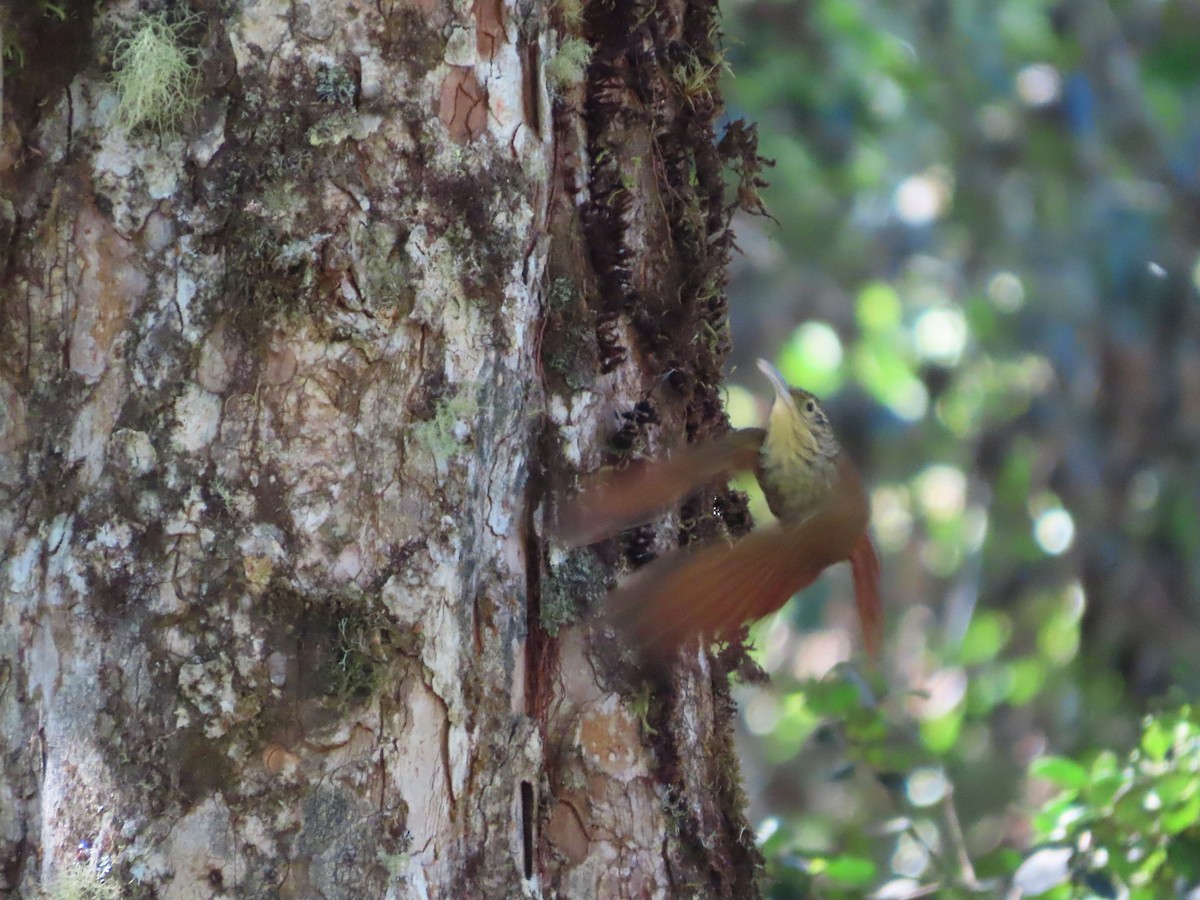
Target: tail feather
[864,566]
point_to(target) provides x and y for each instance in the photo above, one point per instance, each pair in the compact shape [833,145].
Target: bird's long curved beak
[783,393]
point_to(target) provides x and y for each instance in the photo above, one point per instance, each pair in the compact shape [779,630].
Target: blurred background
[985,258]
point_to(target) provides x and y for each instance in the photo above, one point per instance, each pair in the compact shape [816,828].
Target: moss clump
[335,85]
[572,12]
[366,643]
[443,434]
[357,669]
[569,65]
[155,74]
[561,295]
[81,882]
[333,129]
[574,585]
[569,344]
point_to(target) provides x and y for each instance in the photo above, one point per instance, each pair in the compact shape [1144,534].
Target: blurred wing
[714,590]
[864,566]
[613,500]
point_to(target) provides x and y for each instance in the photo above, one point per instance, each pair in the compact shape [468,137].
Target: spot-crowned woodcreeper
[812,488]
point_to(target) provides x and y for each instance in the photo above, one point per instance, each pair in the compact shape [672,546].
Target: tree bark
[289,380]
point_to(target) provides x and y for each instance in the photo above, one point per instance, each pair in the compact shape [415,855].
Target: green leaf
[986,637]
[1175,787]
[1130,809]
[852,870]
[1156,740]
[1105,763]
[1181,818]
[1150,866]
[832,698]
[1057,815]
[1060,771]
[940,734]
[1104,789]
[1183,854]
[1029,676]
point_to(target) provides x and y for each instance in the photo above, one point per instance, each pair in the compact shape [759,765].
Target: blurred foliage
[984,256]
[1122,827]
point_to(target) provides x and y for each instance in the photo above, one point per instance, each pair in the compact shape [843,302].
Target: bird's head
[797,421]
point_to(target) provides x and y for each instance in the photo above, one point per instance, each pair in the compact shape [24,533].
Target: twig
[959,841]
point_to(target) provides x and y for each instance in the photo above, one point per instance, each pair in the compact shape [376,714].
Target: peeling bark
[284,396]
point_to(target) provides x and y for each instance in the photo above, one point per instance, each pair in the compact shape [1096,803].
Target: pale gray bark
[270,402]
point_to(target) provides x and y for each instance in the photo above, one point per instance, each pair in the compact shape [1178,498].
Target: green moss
[78,881]
[409,40]
[566,366]
[366,641]
[572,12]
[356,671]
[264,280]
[562,294]
[387,278]
[568,348]
[335,85]
[333,129]
[439,435]
[569,65]
[155,74]
[574,585]
[697,80]
[641,704]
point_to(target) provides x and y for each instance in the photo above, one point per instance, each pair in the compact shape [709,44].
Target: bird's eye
[810,406]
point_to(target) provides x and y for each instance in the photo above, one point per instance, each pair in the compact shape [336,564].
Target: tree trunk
[296,353]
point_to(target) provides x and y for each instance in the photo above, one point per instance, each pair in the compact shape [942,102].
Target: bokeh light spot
[910,400]
[887,98]
[762,713]
[1054,530]
[1006,291]
[817,653]
[1144,490]
[940,557]
[820,343]
[940,334]
[921,199]
[926,786]
[997,123]
[975,528]
[812,358]
[891,517]
[1075,601]
[741,406]
[879,307]
[1039,84]
[944,691]
[910,858]
[766,829]
[942,492]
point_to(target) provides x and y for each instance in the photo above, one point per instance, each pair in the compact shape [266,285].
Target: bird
[711,591]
